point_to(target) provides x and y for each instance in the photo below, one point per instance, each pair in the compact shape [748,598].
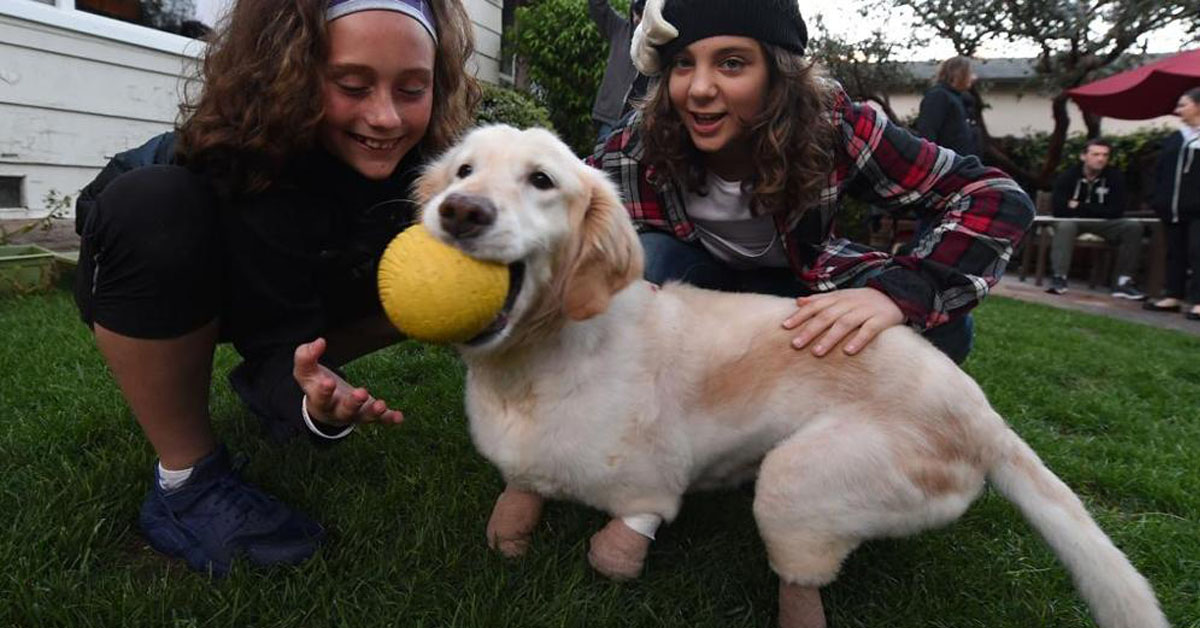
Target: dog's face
[521,198]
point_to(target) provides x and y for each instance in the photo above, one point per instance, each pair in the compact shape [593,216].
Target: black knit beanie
[775,22]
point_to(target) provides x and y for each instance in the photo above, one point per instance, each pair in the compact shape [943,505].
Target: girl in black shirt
[291,174]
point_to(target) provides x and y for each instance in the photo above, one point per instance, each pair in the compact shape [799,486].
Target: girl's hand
[834,315]
[331,400]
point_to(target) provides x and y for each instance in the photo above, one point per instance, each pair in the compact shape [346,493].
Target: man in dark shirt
[1093,189]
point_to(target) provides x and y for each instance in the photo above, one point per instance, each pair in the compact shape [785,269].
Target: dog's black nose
[466,216]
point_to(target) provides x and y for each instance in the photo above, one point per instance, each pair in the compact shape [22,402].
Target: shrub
[501,105]
[1134,154]
[565,57]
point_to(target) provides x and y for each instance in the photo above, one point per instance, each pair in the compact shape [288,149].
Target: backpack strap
[159,149]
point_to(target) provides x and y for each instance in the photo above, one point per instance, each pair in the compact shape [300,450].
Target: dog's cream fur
[605,390]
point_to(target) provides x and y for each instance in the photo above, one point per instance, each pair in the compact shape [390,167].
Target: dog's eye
[541,180]
[464,171]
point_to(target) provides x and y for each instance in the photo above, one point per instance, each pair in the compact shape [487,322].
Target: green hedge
[501,105]
[1027,151]
[1134,154]
[565,57]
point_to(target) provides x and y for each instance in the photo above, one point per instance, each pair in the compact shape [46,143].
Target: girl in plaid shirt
[735,163]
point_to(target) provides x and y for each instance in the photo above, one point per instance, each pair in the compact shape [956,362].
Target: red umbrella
[1141,93]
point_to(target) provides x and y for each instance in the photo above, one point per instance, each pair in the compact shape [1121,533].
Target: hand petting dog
[833,315]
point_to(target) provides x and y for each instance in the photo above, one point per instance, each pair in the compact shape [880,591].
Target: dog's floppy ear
[605,253]
[434,178]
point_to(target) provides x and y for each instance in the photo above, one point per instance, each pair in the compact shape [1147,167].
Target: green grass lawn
[1113,408]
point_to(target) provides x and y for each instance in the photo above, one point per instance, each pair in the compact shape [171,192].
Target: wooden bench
[1041,234]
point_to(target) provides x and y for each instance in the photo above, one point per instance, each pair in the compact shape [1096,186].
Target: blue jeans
[603,129]
[671,259]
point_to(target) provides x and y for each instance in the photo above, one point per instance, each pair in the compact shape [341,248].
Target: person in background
[622,83]
[291,174]
[1177,203]
[945,116]
[1094,189]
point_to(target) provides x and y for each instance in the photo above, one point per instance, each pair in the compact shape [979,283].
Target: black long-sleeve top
[1100,197]
[1177,179]
[301,261]
[942,119]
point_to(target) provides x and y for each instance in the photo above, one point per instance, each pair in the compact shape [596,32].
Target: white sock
[169,480]
[1124,279]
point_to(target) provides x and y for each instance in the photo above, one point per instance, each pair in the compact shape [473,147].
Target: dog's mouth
[516,277]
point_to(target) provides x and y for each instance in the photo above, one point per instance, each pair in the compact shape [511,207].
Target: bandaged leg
[619,549]
[513,519]
[800,606]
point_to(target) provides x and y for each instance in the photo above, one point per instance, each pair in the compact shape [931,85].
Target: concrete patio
[1093,301]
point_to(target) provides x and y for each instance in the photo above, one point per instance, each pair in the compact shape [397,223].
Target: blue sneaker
[216,516]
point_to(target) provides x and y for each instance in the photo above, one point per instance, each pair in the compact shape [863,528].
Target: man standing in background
[622,82]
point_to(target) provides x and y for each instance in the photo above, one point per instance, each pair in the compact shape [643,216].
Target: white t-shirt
[728,230]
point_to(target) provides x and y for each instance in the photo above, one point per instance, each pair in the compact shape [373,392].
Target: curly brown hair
[260,100]
[791,139]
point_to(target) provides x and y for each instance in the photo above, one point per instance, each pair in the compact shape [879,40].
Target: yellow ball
[434,292]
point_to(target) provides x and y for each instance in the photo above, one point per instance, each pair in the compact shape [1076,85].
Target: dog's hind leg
[838,482]
[513,519]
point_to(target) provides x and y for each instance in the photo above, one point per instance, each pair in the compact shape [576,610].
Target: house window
[508,22]
[173,16]
[10,192]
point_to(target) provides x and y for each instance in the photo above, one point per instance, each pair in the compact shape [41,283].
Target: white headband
[418,10]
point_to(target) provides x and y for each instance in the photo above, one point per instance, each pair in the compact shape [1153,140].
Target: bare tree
[867,69]
[1078,41]
[168,15]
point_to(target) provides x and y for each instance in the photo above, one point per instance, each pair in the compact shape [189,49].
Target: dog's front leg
[800,606]
[513,519]
[618,550]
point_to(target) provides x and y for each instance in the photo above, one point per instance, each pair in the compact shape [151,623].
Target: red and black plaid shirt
[977,215]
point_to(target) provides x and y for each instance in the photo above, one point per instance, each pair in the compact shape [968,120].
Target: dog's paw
[618,552]
[510,548]
[510,528]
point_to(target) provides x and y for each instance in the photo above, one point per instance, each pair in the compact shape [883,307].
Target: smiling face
[718,86]
[1188,110]
[377,90]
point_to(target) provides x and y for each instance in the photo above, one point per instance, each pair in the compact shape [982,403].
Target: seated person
[1093,189]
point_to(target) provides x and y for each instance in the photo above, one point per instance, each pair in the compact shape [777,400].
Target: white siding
[486,14]
[77,88]
[1013,113]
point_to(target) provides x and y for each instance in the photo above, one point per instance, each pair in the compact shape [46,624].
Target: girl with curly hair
[291,173]
[736,163]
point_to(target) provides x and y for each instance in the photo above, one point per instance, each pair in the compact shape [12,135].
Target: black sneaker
[216,516]
[1128,291]
[1058,285]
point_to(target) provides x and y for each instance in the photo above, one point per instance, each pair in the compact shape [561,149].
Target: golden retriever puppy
[598,387]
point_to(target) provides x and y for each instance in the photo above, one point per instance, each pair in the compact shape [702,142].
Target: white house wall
[1011,113]
[486,15]
[77,88]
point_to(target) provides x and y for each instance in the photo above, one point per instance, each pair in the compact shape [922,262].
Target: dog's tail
[1117,594]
